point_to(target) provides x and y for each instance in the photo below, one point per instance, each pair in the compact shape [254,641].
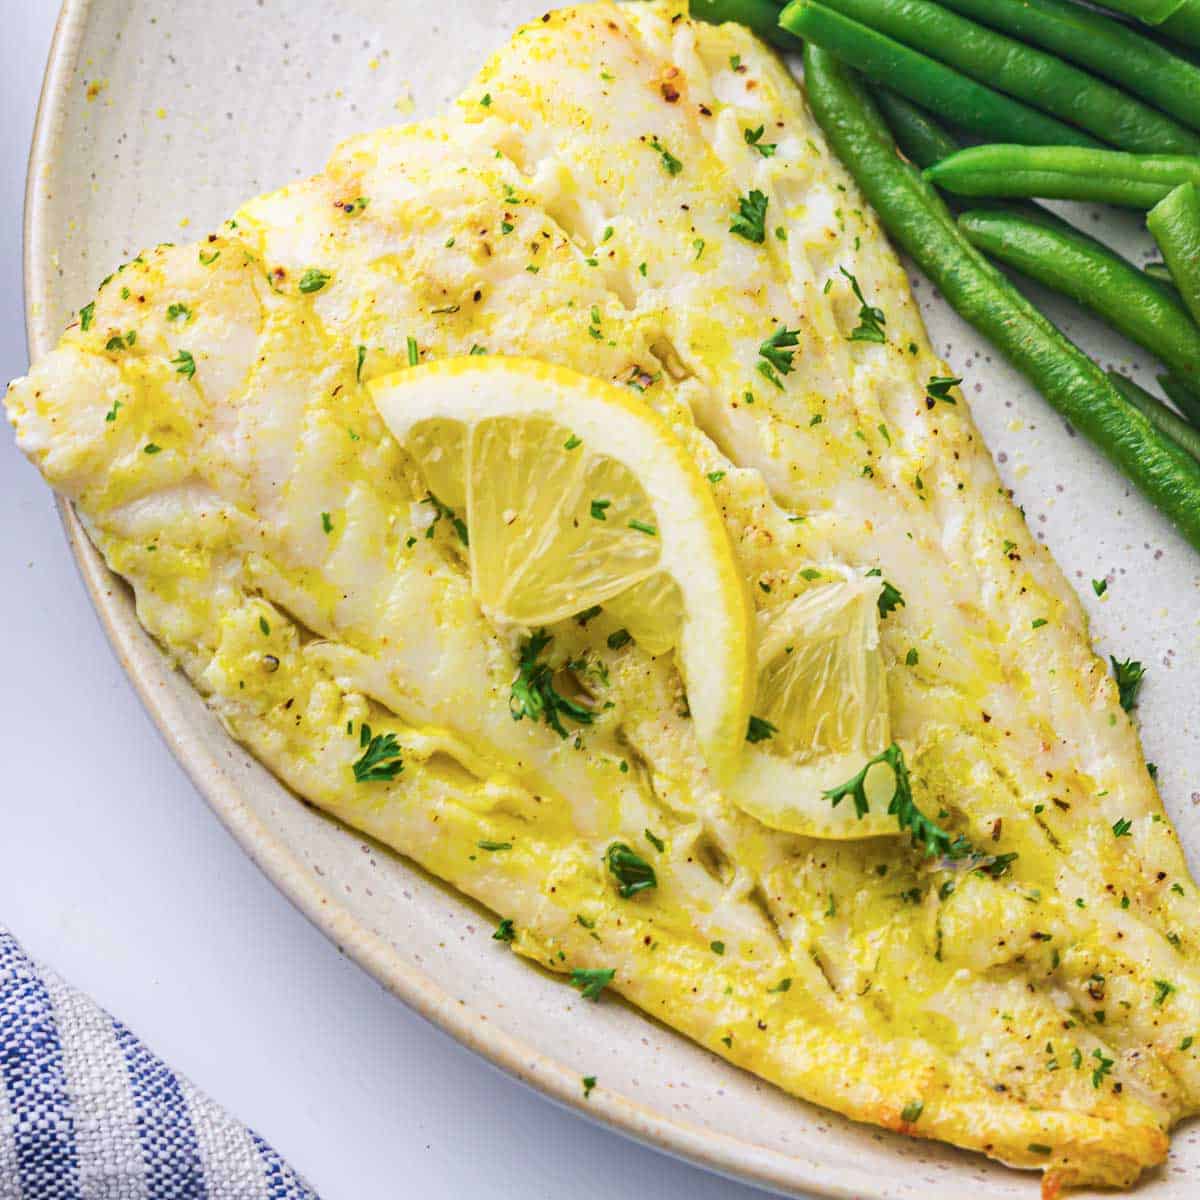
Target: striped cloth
[88,1113]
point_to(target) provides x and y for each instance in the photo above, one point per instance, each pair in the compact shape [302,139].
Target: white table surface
[114,872]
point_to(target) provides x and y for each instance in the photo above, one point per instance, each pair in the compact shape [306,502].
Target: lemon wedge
[576,494]
[822,690]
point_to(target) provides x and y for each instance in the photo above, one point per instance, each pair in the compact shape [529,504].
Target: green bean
[1031,75]
[1180,395]
[1095,277]
[1151,12]
[1184,24]
[922,139]
[1065,173]
[918,221]
[925,81]
[762,16]
[1107,47]
[1175,223]
[1159,415]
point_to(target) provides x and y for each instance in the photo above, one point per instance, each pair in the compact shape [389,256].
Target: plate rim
[146,668]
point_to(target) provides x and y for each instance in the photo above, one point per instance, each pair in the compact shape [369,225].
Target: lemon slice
[822,686]
[577,494]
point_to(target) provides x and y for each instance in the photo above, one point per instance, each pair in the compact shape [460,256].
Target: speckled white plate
[157,118]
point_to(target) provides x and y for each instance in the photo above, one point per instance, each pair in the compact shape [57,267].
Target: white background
[113,871]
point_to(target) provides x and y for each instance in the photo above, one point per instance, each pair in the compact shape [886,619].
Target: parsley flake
[924,831]
[1122,827]
[313,280]
[504,931]
[938,387]
[175,311]
[443,510]
[750,217]
[670,163]
[889,600]
[912,1111]
[484,844]
[1129,675]
[776,354]
[184,364]
[655,841]
[534,695]
[589,1081]
[754,138]
[759,730]
[643,527]
[326,523]
[86,313]
[598,507]
[591,981]
[632,872]
[870,319]
[381,759]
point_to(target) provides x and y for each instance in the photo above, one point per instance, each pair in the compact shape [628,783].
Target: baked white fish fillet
[1041,1011]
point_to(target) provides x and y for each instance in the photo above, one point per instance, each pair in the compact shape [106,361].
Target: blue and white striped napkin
[88,1113]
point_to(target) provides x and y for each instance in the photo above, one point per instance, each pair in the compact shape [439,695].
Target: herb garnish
[533,692]
[754,138]
[598,507]
[632,872]
[484,844]
[504,931]
[938,387]
[1162,989]
[589,1082]
[643,527]
[776,354]
[912,1111]
[184,364]
[889,600]
[1129,675]
[443,510]
[759,730]
[313,280]
[591,981]
[381,759]
[870,319]
[1122,827]
[326,522]
[655,841]
[175,311]
[671,164]
[1103,1068]
[908,816]
[85,316]
[751,214]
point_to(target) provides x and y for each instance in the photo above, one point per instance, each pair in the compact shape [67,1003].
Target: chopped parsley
[1122,827]
[86,313]
[889,600]
[175,311]
[486,100]
[670,163]
[1099,586]
[598,507]
[784,985]
[1162,989]
[358,366]
[911,658]
[484,844]
[776,353]
[715,476]
[589,1082]
[326,523]
[111,415]
[591,981]
[381,758]
[655,841]
[622,637]
[925,832]
[313,280]
[759,730]
[750,217]
[717,947]
[533,692]
[1129,675]
[1040,1148]
[912,1111]
[643,527]
[208,260]
[443,510]
[1186,1044]
[266,629]
[938,387]
[151,448]
[184,364]
[698,246]
[572,443]
[504,931]
[1037,622]
[588,613]
[754,138]
[121,342]
[632,872]
[414,354]
[1103,1067]
[870,319]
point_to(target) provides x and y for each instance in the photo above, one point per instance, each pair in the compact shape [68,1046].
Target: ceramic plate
[157,118]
